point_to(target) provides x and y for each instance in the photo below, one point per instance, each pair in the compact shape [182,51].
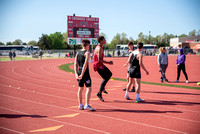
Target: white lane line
[123,120]
[114,92]
[104,97]
[11,130]
[65,84]
[66,123]
[59,97]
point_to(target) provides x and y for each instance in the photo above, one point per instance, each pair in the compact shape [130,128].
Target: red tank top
[96,64]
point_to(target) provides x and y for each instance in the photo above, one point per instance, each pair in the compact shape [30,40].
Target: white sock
[86,104]
[126,93]
[137,96]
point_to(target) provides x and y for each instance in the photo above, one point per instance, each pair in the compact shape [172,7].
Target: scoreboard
[79,28]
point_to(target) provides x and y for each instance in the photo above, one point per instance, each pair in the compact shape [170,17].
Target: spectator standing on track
[131,48]
[58,54]
[180,63]
[40,54]
[10,55]
[136,61]
[82,74]
[163,63]
[14,55]
[98,65]
[118,53]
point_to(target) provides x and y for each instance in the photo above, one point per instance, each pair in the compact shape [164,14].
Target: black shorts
[134,73]
[85,80]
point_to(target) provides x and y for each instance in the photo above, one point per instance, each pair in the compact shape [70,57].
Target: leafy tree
[116,40]
[17,42]
[33,43]
[124,39]
[198,33]
[65,38]
[182,35]
[192,33]
[165,38]
[140,37]
[44,42]
[131,39]
[1,44]
[24,43]
[9,43]
[57,40]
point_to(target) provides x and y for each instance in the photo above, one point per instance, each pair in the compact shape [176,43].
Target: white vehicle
[123,49]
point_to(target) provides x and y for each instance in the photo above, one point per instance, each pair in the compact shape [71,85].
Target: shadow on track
[136,111]
[20,116]
[169,93]
[160,102]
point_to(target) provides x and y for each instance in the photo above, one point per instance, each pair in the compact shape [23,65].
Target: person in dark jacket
[14,55]
[10,55]
[180,62]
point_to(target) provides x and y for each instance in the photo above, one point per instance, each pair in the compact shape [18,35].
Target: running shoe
[124,89]
[99,95]
[104,91]
[132,90]
[81,107]
[187,81]
[161,80]
[127,97]
[89,108]
[139,100]
[166,81]
[176,81]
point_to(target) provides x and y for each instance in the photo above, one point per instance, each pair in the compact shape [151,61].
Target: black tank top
[134,62]
[81,61]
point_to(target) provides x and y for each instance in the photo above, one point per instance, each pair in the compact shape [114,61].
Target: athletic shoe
[99,95]
[81,107]
[161,80]
[124,89]
[127,97]
[105,91]
[176,81]
[187,81]
[89,108]
[166,81]
[139,100]
[132,90]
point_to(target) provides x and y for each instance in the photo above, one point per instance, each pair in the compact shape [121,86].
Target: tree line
[59,40]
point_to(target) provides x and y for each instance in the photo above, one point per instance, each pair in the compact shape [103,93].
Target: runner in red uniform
[98,65]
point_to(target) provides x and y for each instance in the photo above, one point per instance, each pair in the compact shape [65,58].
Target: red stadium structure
[82,27]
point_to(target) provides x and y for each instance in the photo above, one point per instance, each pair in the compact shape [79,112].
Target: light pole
[149,37]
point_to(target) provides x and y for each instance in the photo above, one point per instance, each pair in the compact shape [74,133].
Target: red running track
[36,97]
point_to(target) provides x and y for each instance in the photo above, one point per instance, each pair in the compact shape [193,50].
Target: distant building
[192,42]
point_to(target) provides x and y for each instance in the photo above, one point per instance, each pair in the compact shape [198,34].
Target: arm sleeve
[167,60]
[159,59]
